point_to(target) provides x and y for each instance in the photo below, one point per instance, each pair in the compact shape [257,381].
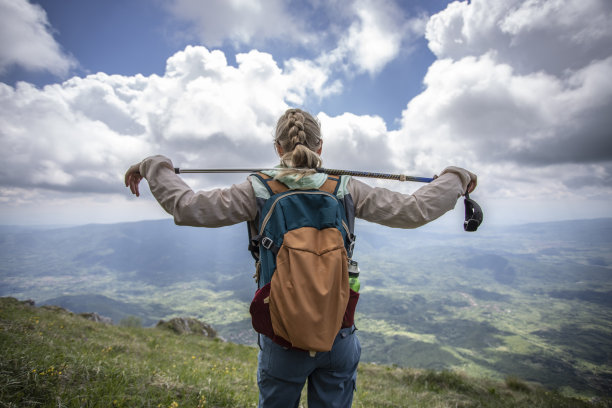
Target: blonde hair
[298,134]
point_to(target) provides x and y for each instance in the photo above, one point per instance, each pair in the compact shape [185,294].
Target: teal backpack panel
[294,209]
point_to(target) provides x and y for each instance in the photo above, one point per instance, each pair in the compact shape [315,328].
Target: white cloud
[82,134]
[521,94]
[584,22]
[354,36]
[379,31]
[376,37]
[355,142]
[531,35]
[50,143]
[498,115]
[241,21]
[27,39]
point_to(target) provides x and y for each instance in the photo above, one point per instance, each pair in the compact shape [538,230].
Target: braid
[296,128]
[299,135]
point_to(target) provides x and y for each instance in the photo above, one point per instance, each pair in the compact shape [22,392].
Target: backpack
[302,241]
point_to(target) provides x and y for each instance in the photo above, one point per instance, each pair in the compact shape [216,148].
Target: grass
[52,358]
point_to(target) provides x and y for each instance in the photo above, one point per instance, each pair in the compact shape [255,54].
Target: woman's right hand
[132,179]
[472,185]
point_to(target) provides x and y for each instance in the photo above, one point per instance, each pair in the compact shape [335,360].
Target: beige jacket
[227,206]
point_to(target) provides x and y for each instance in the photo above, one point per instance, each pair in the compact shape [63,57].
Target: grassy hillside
[53,358]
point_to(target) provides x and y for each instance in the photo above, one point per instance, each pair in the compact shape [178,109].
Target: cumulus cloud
[355,142]
[520,87]
[377,30]
[78,136]
[530,35]
[81,134]
[27,39]
[242,21]
[376,36]
[50,143]
[497,115]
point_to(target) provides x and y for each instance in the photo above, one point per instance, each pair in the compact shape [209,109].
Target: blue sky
[137,36]
[516,91]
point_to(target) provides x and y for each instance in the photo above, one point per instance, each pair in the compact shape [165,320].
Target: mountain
[529,300]
[105,306]
[52,358]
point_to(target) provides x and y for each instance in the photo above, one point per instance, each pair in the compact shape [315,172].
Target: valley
[531,301]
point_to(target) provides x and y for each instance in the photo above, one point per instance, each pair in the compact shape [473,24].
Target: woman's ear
[279,149]
[320,148]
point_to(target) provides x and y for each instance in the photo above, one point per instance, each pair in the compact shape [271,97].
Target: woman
[282,372]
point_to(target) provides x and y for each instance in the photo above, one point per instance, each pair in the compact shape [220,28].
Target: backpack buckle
[266,242]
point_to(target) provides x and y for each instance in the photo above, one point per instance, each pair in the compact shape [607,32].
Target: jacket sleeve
[399,210]
[212,208]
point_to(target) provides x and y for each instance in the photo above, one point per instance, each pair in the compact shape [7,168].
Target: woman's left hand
[132,179]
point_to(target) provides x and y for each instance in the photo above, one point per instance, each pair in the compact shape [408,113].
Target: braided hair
[298,134]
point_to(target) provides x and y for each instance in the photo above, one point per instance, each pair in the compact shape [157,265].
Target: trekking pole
[473,212]
[331,172]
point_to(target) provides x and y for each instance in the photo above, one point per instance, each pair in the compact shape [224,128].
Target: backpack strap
[331,185]
[273,186]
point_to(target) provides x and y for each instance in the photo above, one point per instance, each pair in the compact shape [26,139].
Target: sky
[518,92]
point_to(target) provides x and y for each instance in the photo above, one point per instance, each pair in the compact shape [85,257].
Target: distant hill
[108,307]
[52,358]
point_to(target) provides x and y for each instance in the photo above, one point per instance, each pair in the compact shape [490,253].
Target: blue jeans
[331,375]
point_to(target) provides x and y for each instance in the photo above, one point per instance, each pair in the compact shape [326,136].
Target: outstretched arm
[213,208]
[398,210]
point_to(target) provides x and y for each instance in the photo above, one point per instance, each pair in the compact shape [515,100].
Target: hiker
[283,367]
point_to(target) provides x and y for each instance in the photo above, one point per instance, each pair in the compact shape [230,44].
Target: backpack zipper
[269,214]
